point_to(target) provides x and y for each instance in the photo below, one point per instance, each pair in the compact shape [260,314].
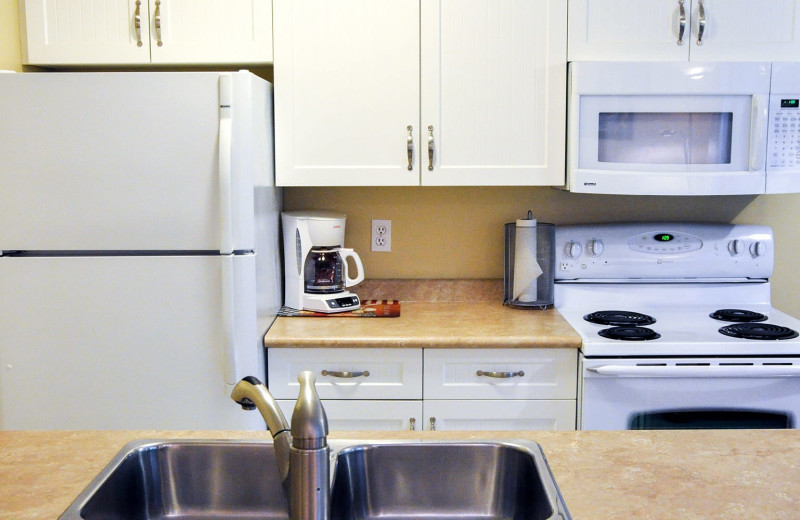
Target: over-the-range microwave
[683,128]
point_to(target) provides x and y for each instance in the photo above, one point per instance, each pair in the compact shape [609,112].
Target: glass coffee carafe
[325,270]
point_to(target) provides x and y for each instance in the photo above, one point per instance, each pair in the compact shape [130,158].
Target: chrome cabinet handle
[158,23]
[433,423]
[430,148]
[701,25]
[681,22]
[413,423]
[345,375]
[137,22]
[410,147]
[500,375]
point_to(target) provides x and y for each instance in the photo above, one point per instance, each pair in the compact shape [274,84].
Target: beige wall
[458,232]
[10,57]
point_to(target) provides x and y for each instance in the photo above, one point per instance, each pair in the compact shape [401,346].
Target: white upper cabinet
[493,92]
[420,93]
[138,32]
[346,90]
[681,30]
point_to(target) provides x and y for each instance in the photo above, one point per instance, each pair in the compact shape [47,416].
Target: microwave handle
[758,140]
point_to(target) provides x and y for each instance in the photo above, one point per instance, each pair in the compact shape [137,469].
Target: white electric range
[677,327]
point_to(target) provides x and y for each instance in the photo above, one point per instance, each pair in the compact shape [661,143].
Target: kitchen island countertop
[478,324]
[704,474]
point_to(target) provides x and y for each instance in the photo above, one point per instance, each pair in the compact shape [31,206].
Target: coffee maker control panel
[345,302]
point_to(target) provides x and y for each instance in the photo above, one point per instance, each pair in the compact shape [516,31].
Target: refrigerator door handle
[228,320]
[225,152]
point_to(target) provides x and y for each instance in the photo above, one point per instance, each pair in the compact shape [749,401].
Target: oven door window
[709,419]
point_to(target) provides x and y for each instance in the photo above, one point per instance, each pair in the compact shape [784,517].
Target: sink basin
[185,480]
[441,481]
[193,480]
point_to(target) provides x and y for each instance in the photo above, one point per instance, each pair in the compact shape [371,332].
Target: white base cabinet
[500,389]
[361,414]
[499,415]
[441,389]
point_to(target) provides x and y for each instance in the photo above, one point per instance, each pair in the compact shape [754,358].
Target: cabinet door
[624,30]
[493,92]
[76,32]
[499,415]
[211,31]
[346,91]
[358,415]
[742,30]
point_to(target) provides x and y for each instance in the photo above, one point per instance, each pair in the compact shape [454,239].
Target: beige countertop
[431,325]
[708,474]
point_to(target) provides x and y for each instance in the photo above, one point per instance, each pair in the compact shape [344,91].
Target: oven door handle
[737,371]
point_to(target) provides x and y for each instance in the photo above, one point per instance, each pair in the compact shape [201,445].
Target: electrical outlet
[382,235]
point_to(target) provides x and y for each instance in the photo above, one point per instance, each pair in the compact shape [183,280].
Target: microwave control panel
[783,148]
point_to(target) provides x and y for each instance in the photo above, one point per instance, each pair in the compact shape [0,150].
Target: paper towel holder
[541,243]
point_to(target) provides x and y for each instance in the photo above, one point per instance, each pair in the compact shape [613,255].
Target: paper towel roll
[526,267]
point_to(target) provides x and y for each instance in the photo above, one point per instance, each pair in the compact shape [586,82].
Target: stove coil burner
[619,318]
[630,333]
[758,331]
[738,315]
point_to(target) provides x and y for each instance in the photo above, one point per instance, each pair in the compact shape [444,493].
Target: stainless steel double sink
[193,480]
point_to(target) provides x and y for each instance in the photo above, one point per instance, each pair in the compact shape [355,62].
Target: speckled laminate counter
[711,474]
[431,325]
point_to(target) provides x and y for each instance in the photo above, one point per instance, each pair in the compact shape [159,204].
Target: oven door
[647,394]
[694,131]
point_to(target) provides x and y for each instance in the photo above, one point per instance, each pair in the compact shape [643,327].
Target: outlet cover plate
[381,236]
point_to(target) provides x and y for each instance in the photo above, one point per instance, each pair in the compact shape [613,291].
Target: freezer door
[131,161]
[127,342]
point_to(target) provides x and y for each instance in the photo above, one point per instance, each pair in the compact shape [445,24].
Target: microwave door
[667,128]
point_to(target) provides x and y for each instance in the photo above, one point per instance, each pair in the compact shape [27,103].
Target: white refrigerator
[140,263]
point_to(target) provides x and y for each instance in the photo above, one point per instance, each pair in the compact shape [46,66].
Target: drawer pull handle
[500,375]
[345,375]
[682,22]
[433,423]
[413,422]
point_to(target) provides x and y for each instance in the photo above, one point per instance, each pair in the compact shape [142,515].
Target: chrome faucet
[302,455]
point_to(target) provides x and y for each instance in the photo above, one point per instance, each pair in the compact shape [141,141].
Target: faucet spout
[302,453]
[251,394]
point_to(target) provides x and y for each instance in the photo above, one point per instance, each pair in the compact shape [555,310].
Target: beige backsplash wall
[10,56]
[458,232]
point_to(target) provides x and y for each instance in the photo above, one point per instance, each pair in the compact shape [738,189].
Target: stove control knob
[573,249]
[757,249]
[595,247]
[736,247]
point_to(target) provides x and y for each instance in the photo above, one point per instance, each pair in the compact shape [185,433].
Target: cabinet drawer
[353,415]
[393,373]
[499,415]
[541,373]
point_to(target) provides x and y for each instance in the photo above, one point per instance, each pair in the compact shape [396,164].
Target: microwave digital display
[790,103]
[663,237]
